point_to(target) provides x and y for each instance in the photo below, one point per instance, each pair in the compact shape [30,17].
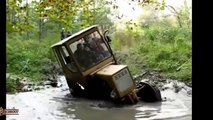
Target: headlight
[123,80]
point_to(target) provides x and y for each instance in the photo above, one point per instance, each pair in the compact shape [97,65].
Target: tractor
[91,69]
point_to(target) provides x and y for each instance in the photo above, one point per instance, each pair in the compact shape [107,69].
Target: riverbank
[48,76]
[19,83]
[51,81]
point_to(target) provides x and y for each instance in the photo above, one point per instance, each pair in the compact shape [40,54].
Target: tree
[101,16]
[22,17]
[65,11]
[182,14]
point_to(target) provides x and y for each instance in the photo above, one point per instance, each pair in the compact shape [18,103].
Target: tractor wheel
[76,91]
[149,92]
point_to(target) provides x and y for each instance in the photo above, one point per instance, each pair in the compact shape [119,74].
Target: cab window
[67,60]
[89,50]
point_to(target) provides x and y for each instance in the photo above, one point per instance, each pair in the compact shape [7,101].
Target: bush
[29,57]
[166,49]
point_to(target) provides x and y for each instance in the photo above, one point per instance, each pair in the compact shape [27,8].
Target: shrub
[160,48]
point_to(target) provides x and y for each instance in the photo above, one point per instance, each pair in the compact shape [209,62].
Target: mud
[155,78]
[24,84]
[56,103]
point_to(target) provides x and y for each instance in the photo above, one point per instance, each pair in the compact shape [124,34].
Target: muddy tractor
[91,70]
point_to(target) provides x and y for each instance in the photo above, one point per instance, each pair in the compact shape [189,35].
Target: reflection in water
[58,104]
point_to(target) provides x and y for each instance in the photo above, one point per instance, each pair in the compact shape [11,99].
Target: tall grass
[166,49]
[29,58]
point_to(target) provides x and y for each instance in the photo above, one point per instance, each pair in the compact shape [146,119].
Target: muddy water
[58,104]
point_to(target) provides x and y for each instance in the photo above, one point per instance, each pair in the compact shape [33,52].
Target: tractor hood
[119,78]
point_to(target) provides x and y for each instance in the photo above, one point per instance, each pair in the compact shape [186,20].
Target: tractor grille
[123,80]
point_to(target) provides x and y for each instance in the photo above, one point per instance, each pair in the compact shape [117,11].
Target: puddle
[58,104]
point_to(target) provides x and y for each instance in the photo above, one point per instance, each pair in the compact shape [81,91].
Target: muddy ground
[53,101]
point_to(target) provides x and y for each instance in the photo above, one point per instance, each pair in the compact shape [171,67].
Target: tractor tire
[76,91]
[149,92]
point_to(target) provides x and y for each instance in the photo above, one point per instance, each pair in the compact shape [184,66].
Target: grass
[29,58]
[165,49]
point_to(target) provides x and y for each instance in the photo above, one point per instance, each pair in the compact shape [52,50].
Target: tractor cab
[90,67]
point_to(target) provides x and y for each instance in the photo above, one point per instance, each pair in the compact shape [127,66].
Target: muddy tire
[100,90]
[76,91]
[148,92]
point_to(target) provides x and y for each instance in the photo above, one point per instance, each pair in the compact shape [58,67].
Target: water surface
[58,104]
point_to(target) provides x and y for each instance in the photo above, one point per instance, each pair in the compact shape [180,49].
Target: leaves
[64,11]
[9,27]
[67,12]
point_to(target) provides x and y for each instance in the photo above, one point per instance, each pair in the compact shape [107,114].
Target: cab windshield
[90,50]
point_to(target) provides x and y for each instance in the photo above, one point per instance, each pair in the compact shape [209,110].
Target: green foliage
[11,82]
[28,57]
[156,3]
[66,12]
[167,34]
[9,27]
[18,16]
[166,49]
[100,16]
[159,44]
[23,18]
[126,38]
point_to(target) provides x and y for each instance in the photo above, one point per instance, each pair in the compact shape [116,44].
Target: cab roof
[74,35]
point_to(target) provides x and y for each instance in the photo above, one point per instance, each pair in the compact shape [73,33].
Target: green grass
[165,49]
[29,58]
